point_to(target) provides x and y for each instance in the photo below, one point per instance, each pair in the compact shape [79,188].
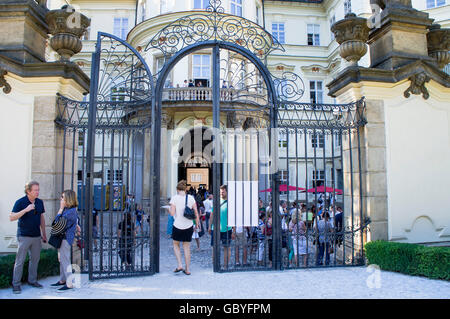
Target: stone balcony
[202,96]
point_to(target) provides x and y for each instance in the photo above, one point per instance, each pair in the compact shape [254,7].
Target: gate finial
[215,6]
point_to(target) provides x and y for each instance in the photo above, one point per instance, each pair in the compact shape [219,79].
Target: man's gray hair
[29,186]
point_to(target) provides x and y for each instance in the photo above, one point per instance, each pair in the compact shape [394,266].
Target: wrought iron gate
[287,165]
[113,150]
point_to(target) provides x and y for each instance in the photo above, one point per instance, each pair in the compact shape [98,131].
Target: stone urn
[67,27]
[438,41]
[352,34]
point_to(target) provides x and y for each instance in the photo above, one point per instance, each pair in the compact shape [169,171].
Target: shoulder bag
[58,232]
[189,213]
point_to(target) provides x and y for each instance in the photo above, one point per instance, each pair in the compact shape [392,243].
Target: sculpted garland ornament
[3,83]
[417,86]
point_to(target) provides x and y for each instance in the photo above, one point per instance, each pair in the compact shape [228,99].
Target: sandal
[178,269]
[186,273]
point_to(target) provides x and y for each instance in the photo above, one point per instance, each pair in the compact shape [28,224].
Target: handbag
[56,240]
[57,232]
[189,213]
[59,226]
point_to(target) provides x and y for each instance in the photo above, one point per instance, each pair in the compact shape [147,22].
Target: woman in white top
[182,227]
[298,235]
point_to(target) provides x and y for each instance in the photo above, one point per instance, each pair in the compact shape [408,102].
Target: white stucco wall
[16,128]
[418,167]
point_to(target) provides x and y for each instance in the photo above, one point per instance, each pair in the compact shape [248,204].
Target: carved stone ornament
[383,4]
[67,27]
[352,34]
[3,83]
[438,41]
[417,86]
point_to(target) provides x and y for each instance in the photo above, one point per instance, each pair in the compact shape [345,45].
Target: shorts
[241,239]
[95,231]
[225,238]
[183,235]
[195,234]
[299,245]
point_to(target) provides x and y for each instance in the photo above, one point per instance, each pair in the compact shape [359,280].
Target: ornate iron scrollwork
[329,117]
[289,87]
[122,76]
[213,25]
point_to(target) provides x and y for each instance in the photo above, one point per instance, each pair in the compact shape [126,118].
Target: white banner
[242,203]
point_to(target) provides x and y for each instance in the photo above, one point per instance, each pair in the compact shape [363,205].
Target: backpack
[267,230]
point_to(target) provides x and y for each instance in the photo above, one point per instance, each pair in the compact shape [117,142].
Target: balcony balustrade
[189,94]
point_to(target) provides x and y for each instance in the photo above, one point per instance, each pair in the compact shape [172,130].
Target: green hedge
[410,259]
[48,266]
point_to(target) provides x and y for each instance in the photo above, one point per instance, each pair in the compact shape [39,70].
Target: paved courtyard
[349,282]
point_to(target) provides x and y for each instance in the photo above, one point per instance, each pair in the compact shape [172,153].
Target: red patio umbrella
[321,189]
[285,188]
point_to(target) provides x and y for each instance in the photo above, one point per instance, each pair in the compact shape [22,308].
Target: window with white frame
[278,32]
[143,10]
[282,139]
[339,179]
[81,138]
[159,65]
[121,27]
[87,33]
[163,6]
[236,7]
[313,34]
[318,140]
[316,91]
[347,6]
[332,21]
[318,178]
[284,176]
[118,94]
[117,176]
[201,68]
[258,11]
[337,140]
[201,4]
[435,3]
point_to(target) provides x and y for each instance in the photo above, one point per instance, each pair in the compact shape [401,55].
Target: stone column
[47,155]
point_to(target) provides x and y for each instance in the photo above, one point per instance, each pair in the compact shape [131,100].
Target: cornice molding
[66,70]
[408,72]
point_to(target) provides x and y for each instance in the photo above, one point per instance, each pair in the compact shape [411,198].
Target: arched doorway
[194,163]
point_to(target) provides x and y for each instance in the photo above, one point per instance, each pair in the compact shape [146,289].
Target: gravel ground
[348,282]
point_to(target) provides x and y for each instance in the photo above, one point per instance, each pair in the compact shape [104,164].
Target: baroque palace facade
[302,27]
[311,52]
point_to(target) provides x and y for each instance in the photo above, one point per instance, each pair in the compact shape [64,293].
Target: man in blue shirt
[29,211]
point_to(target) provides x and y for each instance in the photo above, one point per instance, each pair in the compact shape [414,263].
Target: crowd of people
[305,230]
[298,223]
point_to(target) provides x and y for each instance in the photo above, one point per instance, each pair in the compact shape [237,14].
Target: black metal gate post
[217,157]
[89,204]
